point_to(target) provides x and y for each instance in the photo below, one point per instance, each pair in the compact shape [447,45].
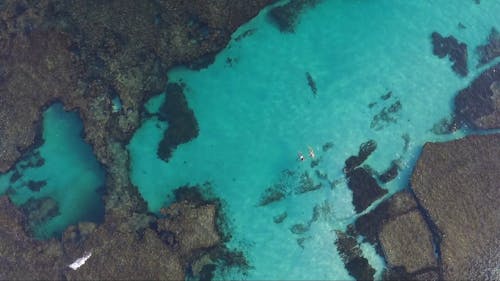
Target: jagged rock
[391,173]
[365,149]
[357,265]
[456,51]
[365,189]
[478,105]
[458,184]
[407,241]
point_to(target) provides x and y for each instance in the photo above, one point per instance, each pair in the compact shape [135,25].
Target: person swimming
[311,152]
[301,156]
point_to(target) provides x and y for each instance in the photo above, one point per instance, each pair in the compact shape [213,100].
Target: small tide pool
[60,182]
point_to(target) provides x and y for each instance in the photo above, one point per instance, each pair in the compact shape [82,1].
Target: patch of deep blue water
[256,112]
[72,173]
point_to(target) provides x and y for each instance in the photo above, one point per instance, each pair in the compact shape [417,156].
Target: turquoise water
[258,113]
[70,169]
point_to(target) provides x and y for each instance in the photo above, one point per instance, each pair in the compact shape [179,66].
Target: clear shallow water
[256,115]
[71,171]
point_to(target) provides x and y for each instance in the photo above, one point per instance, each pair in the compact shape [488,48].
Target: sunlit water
[256,115]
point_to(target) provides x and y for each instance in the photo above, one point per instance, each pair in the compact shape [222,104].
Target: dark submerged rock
[364,188]
[390,173]
[451,47]
[445,126]
[385,116]
[365,150]
[273,194]
[311,83]
[39,210]
[182,124]
[287,16]
[36,185]
[478,105]
[280,218]
[357,265]
[491,49]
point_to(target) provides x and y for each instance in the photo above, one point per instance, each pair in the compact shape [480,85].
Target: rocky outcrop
[365,189]
[21,257]
[458,184]
[350,252]
[455,50]
[87,53]
[407,242]
[478,105]
[143,247]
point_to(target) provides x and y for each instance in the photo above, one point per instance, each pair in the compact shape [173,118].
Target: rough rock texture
[118,251]
[198,234]
[491,49]
[85,53]
[407,242]
[365,189]
[458,184]
[478,105]
[18,250]
[401,235]
[357,265]
[455,50]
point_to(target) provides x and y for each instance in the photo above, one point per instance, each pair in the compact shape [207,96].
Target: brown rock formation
[458,184]
[85,53]
[407,242]
[118,252]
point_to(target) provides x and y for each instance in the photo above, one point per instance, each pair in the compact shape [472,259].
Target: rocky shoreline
[91,55]
[88,54]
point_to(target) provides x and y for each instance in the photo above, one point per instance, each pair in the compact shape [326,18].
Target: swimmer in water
[311,152]
[301,156]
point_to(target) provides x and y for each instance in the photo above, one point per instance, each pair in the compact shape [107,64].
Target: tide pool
[256,112]
[69,169]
